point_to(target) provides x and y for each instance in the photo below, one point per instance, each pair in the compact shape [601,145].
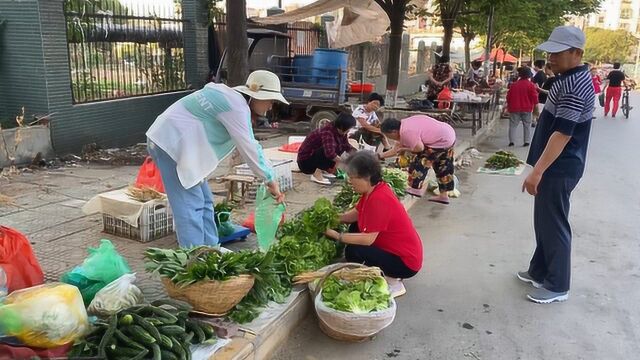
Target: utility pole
[487,51]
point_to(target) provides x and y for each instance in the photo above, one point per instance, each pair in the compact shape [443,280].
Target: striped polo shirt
[568,110]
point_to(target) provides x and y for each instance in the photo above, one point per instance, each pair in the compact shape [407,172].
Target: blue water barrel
[302,65]
[326,63]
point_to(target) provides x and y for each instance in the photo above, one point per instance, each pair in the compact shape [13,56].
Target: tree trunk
[448,26]
[468,38]
[395,49]
[237,44]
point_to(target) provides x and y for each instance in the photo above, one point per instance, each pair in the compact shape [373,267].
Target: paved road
[473,249]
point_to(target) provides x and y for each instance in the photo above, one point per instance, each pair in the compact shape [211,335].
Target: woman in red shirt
[385,236]
[522,97]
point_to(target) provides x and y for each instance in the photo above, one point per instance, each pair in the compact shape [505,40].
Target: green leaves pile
[502,160]
[397,179]
[358,297]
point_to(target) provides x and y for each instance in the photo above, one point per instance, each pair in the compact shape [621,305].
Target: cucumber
[197,330]
[186,338]
[124,340]
[152,330]
[164,314]
[126,320]
[165,342]
[140,335]
[177,304]
[209,331]
[171,330]
[157,354]
[141,355]
[124,351]
[108,335]
[177,349]
[168,355]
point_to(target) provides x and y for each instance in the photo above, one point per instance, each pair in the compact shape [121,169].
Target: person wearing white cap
[558,152]
[190,139]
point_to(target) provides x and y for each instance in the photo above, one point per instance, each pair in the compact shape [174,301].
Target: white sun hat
[263,85]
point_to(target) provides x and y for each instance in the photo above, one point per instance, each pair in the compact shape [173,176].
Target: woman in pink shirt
[431,141]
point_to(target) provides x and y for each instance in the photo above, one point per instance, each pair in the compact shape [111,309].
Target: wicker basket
[214,298]
[346,326]
[211,297]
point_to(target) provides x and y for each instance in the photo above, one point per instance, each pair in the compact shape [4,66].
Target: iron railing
[118,51]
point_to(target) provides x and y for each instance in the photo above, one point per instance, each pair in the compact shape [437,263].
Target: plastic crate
[155,222]
[283,174]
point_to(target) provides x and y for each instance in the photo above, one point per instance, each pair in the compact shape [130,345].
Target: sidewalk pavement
[47,209]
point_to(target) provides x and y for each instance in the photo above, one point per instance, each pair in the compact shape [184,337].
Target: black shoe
[533,125]
[526,144]
[511,144]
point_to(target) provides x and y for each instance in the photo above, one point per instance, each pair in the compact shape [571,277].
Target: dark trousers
[391,264]
[551,261]
[317,161]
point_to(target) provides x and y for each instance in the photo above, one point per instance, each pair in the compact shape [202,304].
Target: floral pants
[441,160]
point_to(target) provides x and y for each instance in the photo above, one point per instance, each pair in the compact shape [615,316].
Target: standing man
[558,153]
[614,90]
[538,79]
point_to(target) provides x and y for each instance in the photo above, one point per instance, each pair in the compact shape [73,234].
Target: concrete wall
[21,145]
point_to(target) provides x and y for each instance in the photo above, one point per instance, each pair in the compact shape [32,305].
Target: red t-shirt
[382,212]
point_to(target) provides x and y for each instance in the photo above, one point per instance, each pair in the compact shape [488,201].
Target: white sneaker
[328,175]
[396,287]
[321,182]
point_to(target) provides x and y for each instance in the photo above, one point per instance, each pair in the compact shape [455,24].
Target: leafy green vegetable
[397,179]
[223,207]
[358,297]
[502,160]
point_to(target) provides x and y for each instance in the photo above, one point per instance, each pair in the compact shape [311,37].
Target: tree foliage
[608,46]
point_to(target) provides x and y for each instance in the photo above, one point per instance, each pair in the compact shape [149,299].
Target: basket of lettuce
[353,305]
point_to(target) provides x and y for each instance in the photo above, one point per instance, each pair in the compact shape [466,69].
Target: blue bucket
[326,62]
[302,65]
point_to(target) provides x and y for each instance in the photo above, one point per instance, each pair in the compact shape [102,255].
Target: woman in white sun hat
[189,139]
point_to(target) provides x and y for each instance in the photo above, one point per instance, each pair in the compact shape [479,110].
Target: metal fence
[304,36]
[118,51]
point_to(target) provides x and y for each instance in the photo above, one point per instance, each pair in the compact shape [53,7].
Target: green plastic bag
[225,226]
[268,216]
[99,269]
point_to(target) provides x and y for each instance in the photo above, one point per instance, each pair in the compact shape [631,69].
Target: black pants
[317,161]
[391,264]
[551,261]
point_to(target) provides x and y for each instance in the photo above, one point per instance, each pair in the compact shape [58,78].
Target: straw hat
[263,85]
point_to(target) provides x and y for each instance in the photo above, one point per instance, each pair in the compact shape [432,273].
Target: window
[626,13]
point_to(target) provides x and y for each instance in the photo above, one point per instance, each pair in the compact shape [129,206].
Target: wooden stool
[244,181]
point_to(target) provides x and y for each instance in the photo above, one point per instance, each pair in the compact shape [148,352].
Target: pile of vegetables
[302,247]
[222,207]
[161,330]
[188,266]
[397,179]
[502,160]
[358,296]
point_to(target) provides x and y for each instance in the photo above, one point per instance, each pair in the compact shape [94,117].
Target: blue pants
[551,261]
[192,208]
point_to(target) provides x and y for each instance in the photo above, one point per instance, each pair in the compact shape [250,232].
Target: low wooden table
[244,181]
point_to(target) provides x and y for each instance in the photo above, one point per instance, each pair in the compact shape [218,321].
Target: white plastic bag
[119,294]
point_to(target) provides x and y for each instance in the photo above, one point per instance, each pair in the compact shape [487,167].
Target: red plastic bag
[14,352]
[444,98]
[149,176]
[18,261]
[290,148]
[250,222]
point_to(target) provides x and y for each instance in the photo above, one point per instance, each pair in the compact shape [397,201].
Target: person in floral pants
[430,143]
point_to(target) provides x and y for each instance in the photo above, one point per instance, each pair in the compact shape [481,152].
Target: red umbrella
[502,56]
